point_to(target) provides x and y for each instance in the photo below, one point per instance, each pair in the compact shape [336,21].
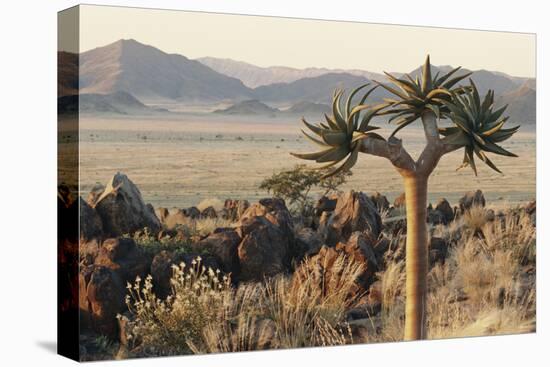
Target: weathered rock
[95,193]
[325,204]
[122,256]
[399,201]
[209,212]
[89,251]
[162,213]
[446,210]
[275,211]
[105,295]
[192,212]
[233,209]
[438,250]
[381,246]
[90,222]
[435,217]
[470,199]
[264,249]
[122,209]
[360,248]
[223,246]
[354,212]
[381,202]
[310,241]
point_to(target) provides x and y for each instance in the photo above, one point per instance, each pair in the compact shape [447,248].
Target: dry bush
[204,314]
[475,218]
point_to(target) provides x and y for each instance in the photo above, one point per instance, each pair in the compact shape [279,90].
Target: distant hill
[521,104]
[305,108]
[255,76]
[250,107]
[115,103]
[151,74]
[317,89]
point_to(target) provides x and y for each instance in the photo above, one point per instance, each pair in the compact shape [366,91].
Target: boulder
[192,212]
[381,202]
[470,199]
[435,217]
[123,256]
[105,294]
[209,212]
[122,209]
[264,250]
[90,222]
[360,248]
[354,212]
[275,211]
[309,240]
[438,250]
[95,193]
[222,244]
[233,209]
[446,210]
[162,213]
[89,251]
[325,204]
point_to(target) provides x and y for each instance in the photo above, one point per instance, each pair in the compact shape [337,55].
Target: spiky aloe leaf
[414,96]
[478,127]
[342,134]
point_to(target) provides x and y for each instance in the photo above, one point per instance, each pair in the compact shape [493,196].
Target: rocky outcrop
[234,209]
[123,256]
[354,212]
[446,210]
[209,212]
[102,298]
[264,250]
[223,246]
[122,209]
[91,226]
[310,241]
[360,248]
[470,199]
[381,202]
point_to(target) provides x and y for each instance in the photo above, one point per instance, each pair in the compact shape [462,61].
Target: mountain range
[153,76]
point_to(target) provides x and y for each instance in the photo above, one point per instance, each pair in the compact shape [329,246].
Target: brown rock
[471,198]
[360,248]
[354,212]
[310,240]
[234,209]
[223,246]
[162,213]
[381,202]
[446,210]
[122,256]
[264,250]
[90,222]
[105,293]
[122,209]
[209,212]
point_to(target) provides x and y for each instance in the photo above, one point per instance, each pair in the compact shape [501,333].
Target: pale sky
[270,41]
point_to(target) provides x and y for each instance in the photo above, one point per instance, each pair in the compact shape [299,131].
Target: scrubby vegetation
[485,286]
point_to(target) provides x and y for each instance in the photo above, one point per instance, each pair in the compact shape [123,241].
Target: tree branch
[392,150]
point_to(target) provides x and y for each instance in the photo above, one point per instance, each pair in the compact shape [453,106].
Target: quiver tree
[476,127]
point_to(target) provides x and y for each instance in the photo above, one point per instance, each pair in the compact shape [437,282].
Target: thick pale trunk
[416,257]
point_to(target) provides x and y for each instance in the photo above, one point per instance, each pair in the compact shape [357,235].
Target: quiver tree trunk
[416,256]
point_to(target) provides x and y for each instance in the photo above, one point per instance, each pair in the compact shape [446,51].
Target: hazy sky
[269,41]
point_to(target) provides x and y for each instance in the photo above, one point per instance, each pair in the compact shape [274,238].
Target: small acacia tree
[294,186]
[477,128]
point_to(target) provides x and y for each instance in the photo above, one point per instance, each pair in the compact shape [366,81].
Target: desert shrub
[475,218]
[204,314]
[173,326]
[296,184]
